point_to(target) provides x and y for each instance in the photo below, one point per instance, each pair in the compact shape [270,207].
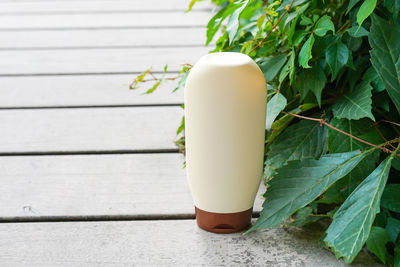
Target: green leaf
[332,195]
[313,79]
[305,20]
[288,69]
[191,4]
[357,32]
[270,66]
[304,217]
[292,67]
[280,125]
[385,55]
[338,142]
[215,22]
[391,197]
[377,239]
[305,52]
[393,6]
[181,82]
[397,255]
[300,182]
[296,13]
[323,25]
[233,22]
[381,219]
[351,5]
[309,141]
[274,106]
[393,228]
[356,104]
[352,222]
[330,215]
[155,86]
[181,126]
[260,22]
[141,77]
[336,56]
[365,10]
[396,163]
[292,30]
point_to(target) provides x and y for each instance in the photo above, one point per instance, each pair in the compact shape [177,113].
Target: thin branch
[273,28]
[382,136]
[391,122]
[344,25]
[323,122]
[154,77]
[169,78]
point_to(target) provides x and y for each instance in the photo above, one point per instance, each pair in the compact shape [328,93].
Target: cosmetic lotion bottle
[225,105]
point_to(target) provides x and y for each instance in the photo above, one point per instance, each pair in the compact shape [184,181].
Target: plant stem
[391,122]
[323,122]
[273,28]
[382,136]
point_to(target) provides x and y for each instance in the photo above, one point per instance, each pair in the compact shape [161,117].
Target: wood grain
[155,243]
[97,60]
[102,38]
[95,186]
[84,90]
[104,20]
[89,129]
[63,6]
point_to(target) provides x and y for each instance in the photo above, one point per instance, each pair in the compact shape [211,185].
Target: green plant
[332,146]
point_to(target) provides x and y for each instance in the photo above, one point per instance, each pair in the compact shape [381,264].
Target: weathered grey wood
[105,186]
[102,38]
[40,6]
[93,185]
[97,60]
[154,243]
[85,90]
[104,20]
[89,129]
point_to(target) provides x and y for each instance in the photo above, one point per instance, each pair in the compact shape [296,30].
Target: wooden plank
[155,243]
[97,60]
[93,185]
[89,129]
[102,38]
[85,90]
[105,186]
[40,6]
[103,20]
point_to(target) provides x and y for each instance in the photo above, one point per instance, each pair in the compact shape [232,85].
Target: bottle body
[225,105]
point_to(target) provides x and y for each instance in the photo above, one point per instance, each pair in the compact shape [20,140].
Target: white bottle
[225,105]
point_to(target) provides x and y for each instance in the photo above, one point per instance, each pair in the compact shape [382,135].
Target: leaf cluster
[336,62]
[339,61]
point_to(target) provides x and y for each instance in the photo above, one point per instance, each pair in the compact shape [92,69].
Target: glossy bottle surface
[225,104]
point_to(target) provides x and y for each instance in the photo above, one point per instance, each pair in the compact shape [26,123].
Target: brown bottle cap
[223,222]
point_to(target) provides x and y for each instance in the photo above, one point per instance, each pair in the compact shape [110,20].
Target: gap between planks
[112,187]
[103,20]
[106,218]
[49,48]
[89,129]
[97,60]
[82,91]
[85,28]
[131,11]
[103,38]
[123,6]
[94,106]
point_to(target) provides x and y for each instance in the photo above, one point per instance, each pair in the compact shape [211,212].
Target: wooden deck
[89,172]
